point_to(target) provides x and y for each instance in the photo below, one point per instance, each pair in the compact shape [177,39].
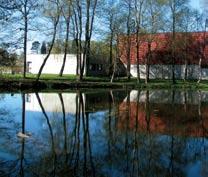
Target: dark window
[92,67]
[28,98]
[100,67]
[28,63]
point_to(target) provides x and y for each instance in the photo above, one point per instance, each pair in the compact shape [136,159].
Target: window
[28,98]
[92,67]
[28,66]
[100,67]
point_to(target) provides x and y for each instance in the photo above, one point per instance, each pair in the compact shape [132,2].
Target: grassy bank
[50,81]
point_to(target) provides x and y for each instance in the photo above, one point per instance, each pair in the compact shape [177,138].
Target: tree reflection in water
[113,133]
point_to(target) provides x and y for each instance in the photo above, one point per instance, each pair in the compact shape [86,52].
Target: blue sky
[195,4]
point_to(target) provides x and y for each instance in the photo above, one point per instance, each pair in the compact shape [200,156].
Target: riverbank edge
[31,84]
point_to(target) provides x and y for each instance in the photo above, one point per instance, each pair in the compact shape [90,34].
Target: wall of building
[53,64]
[165,71]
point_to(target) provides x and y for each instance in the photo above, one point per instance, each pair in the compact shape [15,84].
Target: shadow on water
[127,133]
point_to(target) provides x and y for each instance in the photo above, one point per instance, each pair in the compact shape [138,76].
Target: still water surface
[114,133]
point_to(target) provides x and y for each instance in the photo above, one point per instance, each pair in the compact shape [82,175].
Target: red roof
[187,45]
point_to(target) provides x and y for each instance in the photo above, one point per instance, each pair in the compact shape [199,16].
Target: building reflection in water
[107,133]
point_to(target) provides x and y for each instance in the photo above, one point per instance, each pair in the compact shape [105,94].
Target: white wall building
[53,64]
[165,71]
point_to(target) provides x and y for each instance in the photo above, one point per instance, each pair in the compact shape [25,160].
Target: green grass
[43,76]
[105,81]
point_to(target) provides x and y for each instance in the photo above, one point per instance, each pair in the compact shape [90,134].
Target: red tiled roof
[161,43]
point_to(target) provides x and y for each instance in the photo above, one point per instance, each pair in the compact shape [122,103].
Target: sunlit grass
[105,81]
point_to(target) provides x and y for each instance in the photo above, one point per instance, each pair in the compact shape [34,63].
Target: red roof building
[189,47]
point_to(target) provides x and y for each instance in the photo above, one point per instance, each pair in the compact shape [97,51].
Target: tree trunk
[25,38]
[65,47]
[186,70]
[50,49]
[137,56]
[111,46]
[128,42]
[129,58]
[147,63]
[111,54]
[200,70]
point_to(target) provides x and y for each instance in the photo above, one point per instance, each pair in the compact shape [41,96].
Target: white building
[53,64]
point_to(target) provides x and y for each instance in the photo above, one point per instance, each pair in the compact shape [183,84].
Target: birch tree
[26,9]
[176,8]
[67,13]
[154,23]
[112,19]
[139,4]
[52,13]
[83,20]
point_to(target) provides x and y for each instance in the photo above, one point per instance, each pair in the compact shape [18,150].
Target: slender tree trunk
[185,57]
[50,49]
[200,70]
[137,56]
[111,46]
[138,11]
[76,38]
[129,57]
[128,42]
[115,61]
[65,47]
[147,63]
[25,38]
[173,41]
[186,69]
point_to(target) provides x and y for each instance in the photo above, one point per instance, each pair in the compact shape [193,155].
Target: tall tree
[154,23]
[128,30]
[67,13]
[84,16]
[26,9]
[111,16]
[187,24]
[176,8]
[53,14]
[138,19]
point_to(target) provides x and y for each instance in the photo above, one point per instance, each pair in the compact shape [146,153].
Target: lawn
[105,82]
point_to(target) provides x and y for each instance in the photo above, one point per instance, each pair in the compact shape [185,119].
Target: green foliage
[43,49]
[100,52]
[7,59]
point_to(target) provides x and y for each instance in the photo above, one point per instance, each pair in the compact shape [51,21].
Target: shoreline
[19,84]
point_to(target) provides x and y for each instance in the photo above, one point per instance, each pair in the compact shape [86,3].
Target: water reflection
[104,133]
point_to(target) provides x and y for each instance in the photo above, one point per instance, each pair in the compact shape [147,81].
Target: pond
[106,133]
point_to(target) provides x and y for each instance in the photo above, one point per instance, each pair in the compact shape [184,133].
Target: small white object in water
[22,135]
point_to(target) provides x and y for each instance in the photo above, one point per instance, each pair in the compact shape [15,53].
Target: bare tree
[67,13]
[154,20]
[26,9]
[138,15]
[84,15]
[53,13]
[202,50]
[176,7]
[128,28]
